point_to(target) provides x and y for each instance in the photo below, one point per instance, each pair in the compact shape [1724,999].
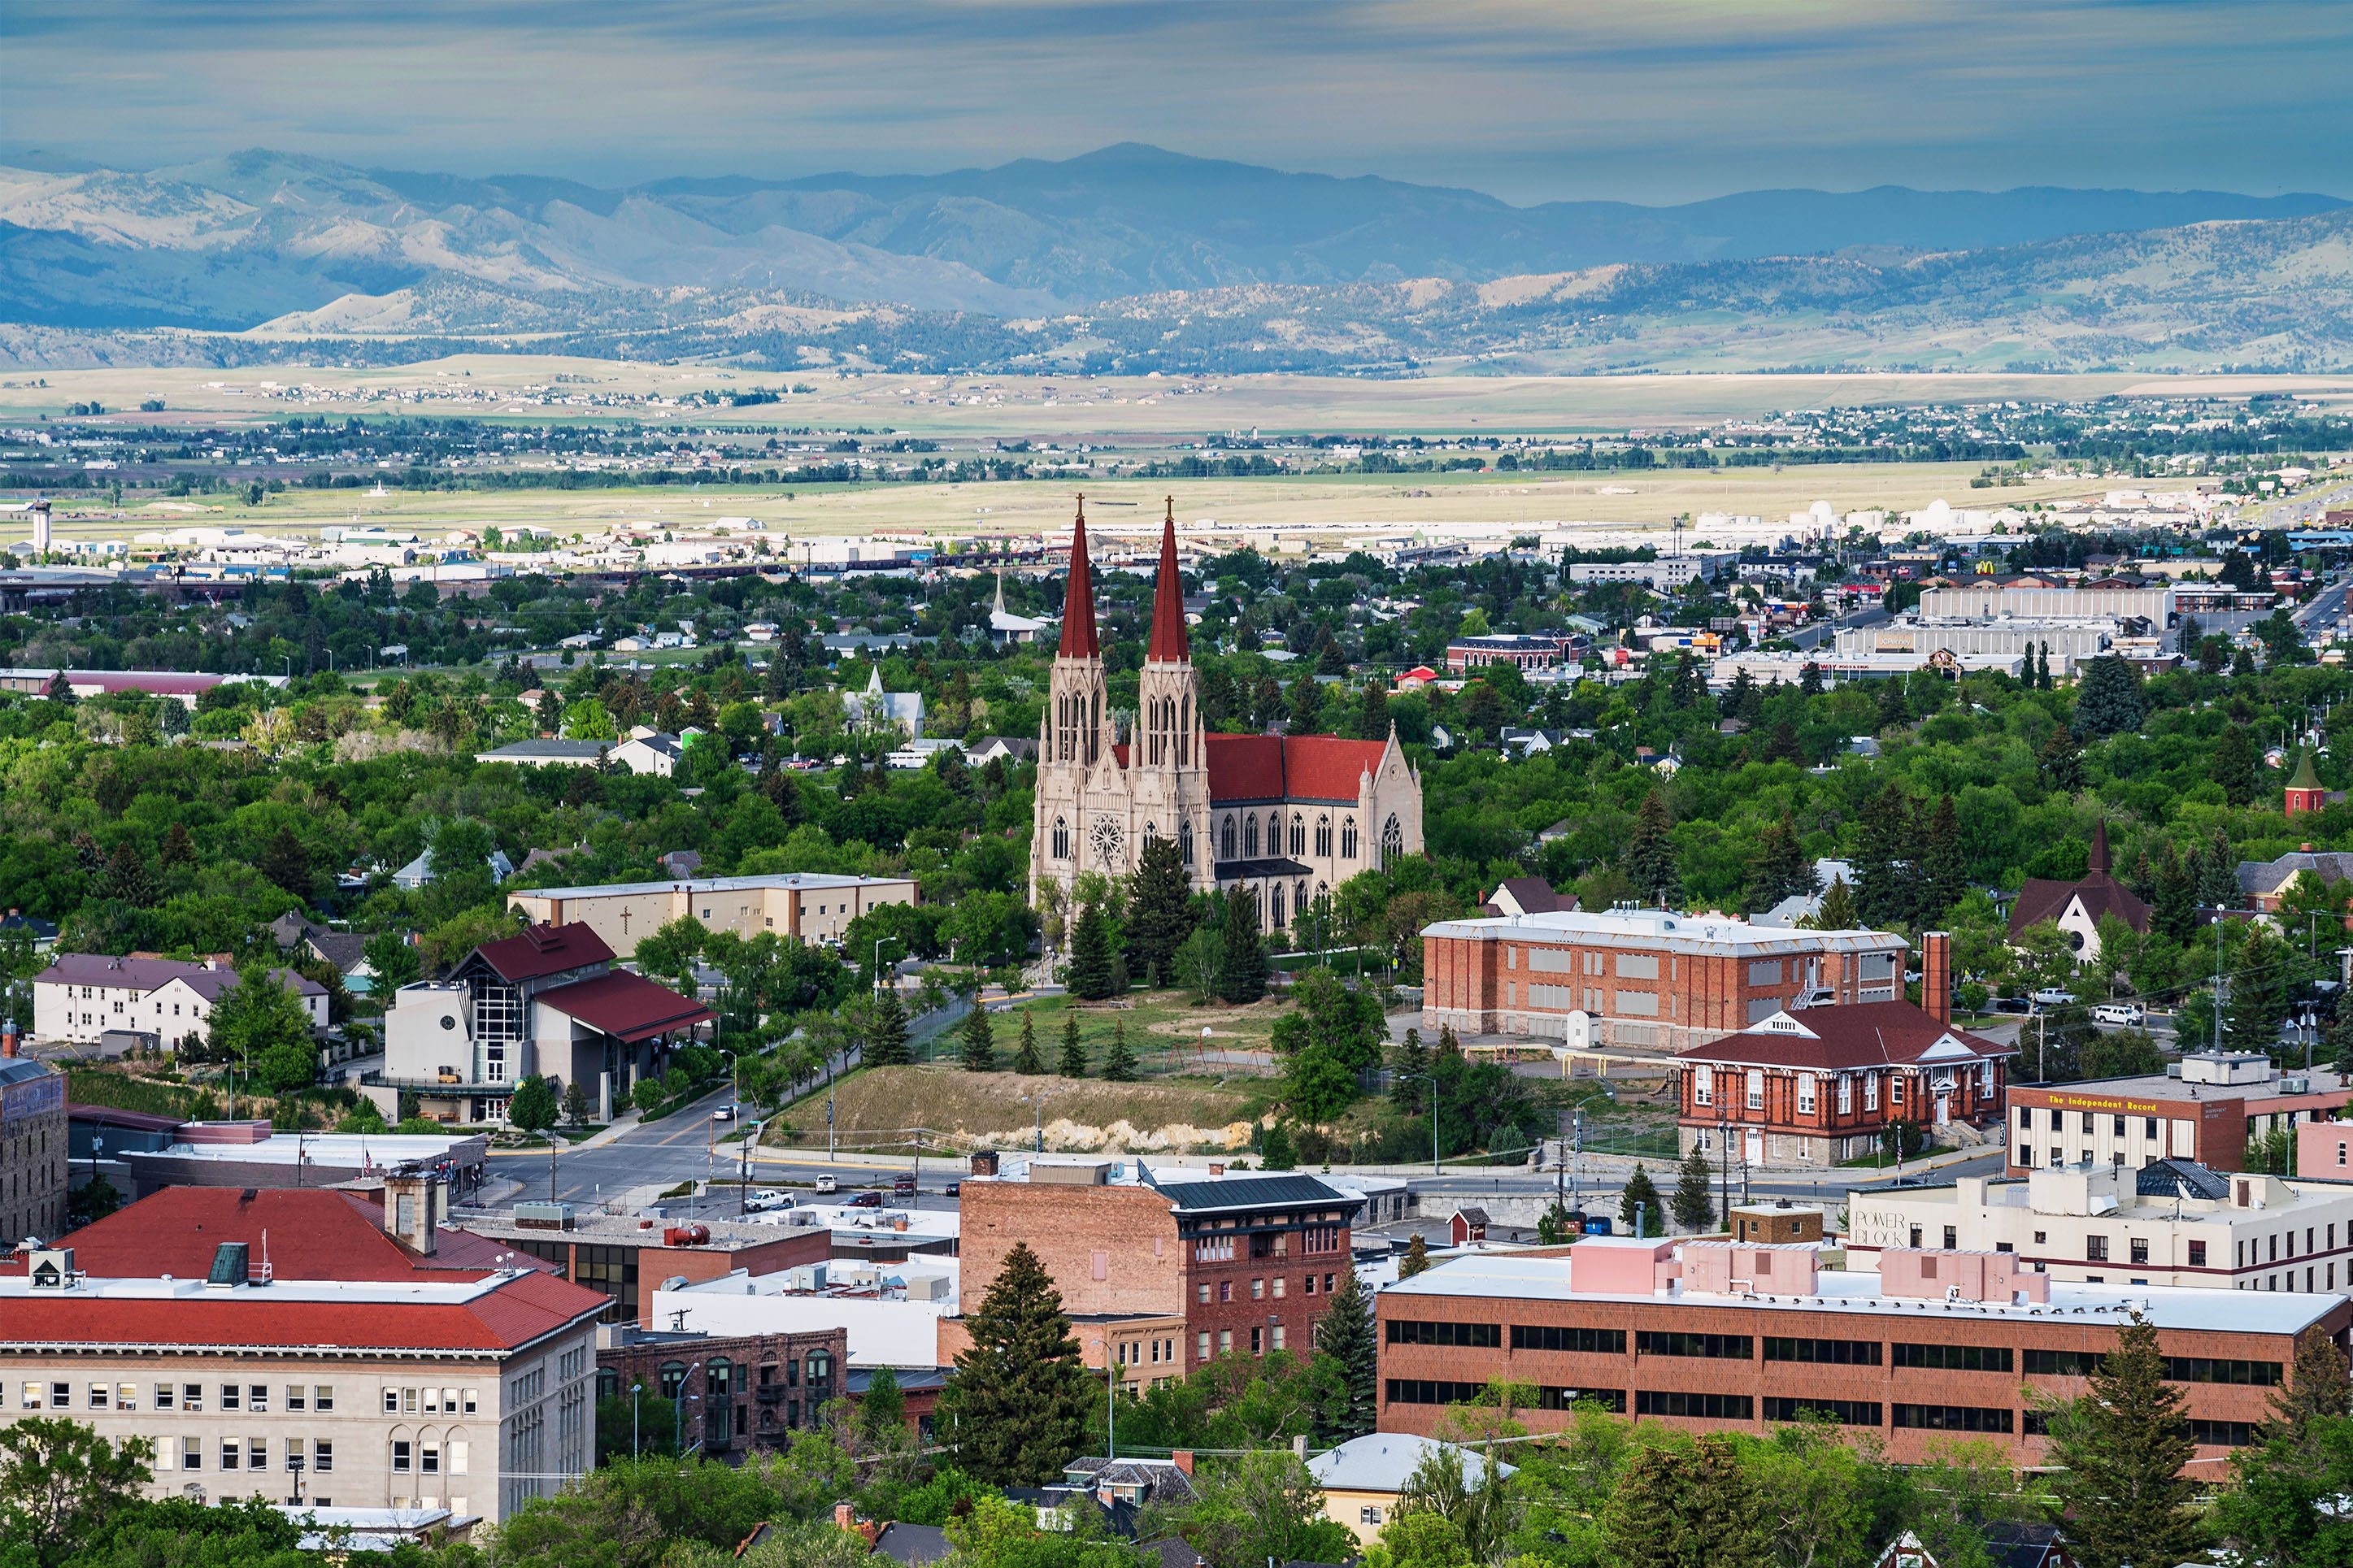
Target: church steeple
[2098,862]
[1078,605]
[1169,644]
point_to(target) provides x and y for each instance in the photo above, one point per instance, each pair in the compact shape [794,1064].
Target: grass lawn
[1164,1032]
[881,1108]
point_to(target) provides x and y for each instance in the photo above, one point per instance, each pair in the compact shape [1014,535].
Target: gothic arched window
[1298,834]
[1323,835]
[1185,844]
[1392,837]
[1249,836]
[1226,850]
[1274,906]
[1347,838]
[1061,839]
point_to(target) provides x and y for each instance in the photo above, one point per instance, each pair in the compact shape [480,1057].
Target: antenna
[266,1275]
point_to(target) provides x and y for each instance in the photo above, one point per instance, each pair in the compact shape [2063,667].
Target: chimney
[1183,1459]
[845,1516]
[1937,975]
[7,1036]
[412,1202]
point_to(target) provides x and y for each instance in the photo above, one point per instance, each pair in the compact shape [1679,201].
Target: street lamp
[1431,1081]
[1111,1386]
[678,1415]
[1038,1099]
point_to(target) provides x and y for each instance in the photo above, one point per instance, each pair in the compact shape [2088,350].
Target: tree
[1650,862]
[1416,1260]
[577,1107]
[2316,1390]
[1159,911]
[2275,1511]
[1781,869]
[2123,1446]
[179,848]
[1885,889]
[532,1107]
[286,862]
[1074,1056]
[886,1031]
[635,1513]
[1200,962]
[1263,1507]
[2257,997]
[1027,1059]
[1017,1404]
[1345,1334]
[1838,911]
[1894,712]
[1241,972]
[1408,1068]
[1090,956]
[2233,762]
[1694,1210]
[60,1481]
[1640,1202]
[1696,1507]
[1119,1065]
[2061,760]
[979,1039]
[1944,864]
[1276,1153]
[2110,700]
[669,950]
[261,1025]
[1327,1043]
[882,1408]
[393,960]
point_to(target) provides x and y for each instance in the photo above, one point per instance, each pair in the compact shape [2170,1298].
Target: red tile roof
[1168,644]
[1857,1035]
[544,950]
[514,1313]
[1288,767]
[627,1007]
[1078,605]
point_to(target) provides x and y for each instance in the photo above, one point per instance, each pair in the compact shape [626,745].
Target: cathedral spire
[1168,645]
[1078,609]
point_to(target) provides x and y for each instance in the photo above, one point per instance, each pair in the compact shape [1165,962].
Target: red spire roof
[1169,642]
[1078,609]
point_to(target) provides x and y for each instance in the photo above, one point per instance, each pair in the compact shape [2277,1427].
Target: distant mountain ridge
[234,241]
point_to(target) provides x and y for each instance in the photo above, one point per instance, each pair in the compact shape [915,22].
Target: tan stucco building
[810,905]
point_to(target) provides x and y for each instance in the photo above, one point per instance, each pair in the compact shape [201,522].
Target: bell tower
[1172,775]
[1075,735]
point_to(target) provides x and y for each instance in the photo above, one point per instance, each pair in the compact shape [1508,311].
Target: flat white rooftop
[785,879]
[1664,929]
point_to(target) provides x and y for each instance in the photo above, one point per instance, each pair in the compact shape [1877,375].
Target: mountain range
[1142,253]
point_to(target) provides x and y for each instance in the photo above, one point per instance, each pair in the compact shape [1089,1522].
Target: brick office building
[1246,1261]
[739,1392]
[1717,1336]
[1651,979]
[627,1260]
[2207,1107]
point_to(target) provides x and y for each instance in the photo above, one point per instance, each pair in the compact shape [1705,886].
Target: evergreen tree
[886,1038]
[2258,994]
[2062,761]
[1695,1508]
[1809,679]
[1641,1195]
[1838,911]
[2218,878]
[178,849]
[1894,712]
[2233,764]
[2316,1390]
[1119,1065]
[1782,745]
[1411,1059]
[285,862]
[1650,853]
[1883,886]
[1345,1335]
[1242,977]
[2242,665]
[979,1039]
[1694,1210]
[1159,913]
[1090,978]
[1781,868]
[1276,1153]
[1015,1408]
[2340,1036]
[2174,910]
[1944,864]
[1074,1056]
[2123,1446]
[882,1408]
[1373,715]
[1026,1059]
[1416,1260]
[2108,700]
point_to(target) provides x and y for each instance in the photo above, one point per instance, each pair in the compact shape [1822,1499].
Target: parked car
[826,1183]
[767,1199]
[2055,996]
[869,1199]
[2118,1014]
[954,1189]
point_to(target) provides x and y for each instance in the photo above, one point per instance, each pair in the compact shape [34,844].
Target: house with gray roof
[82,996]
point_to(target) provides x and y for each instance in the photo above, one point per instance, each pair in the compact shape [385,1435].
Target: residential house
[1527,896]
[2077,907]
[877,709]
[2007,1545]
[420,871]
[2267,885]
[80,997]
[1362,1477]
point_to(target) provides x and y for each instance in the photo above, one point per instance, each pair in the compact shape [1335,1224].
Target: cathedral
[1284,819]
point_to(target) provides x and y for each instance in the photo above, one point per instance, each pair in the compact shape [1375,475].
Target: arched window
[1298,834]
[1299,898]
[1249,836]
[1185,733]
[1347,838]
[1151,832]
[1274,906]
[1323,835]
[1185,844]
[1392,837]
[674,1376]
[1061,839]
[1225,843]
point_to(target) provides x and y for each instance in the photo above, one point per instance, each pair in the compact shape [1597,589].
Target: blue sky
[1654,101]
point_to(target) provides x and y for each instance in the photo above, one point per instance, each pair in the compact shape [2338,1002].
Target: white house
[81,995]
[877,709]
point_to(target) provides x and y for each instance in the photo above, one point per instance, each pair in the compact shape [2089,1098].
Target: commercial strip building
[1651,979]
[2169,1223]
[251,1154]
[1199,1266]
[735,1393]
[810,905]
[1822,1085]
[625,1260]
[2208,1106]
[893,1314]
[286,1345]
[2068,644]
[1722,1336]
[34,1175]
[81,997]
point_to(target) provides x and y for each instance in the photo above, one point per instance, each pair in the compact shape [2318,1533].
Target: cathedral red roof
[1288,767]
[1169,641]
[1079,607]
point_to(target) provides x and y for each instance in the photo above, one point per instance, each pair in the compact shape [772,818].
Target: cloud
[1655,101]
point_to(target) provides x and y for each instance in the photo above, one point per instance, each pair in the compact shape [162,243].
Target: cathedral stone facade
[1285,818]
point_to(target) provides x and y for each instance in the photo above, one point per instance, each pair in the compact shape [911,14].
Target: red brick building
[1645,978]
[1245,1261]
[738,1392]
[1823,1084]
[2207,1108]
[1722,1336]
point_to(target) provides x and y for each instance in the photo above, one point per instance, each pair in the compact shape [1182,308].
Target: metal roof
[1250,1190]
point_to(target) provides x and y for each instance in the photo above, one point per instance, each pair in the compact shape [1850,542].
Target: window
[1845,1094]
[1249,836]
[1953,1419]
[294,1454]
[166,1396]
[297,1397]
[322,1454]
[1577,1340]
[1203,1289]
[1756,1089]
[1846,1412]
[2197,1255]
[2208,1369]
[1368,1515]
[232,1453]
[1833,1352]
[1225,1289]
[1703,1085]
[1713,1347]
[428,1459]
[400,1456]
[1952,1238]
[1324,847]
[1952,1358]
[1278,1336]
[1061,839]
[1225,837]
[1258,1289]
[192,1453]
[1871,1091]
[1805,1094]
[1706,1406]
[2139,1248]
[1429,1391]
[230,1393]
[1613,1400]
[1347,838]
[191,1396]
[1279,1286]
[2062,1363]
[1225,1342]
[257,1398]
[2221,1434]
[323,1398]
[101,1395]
[1298,834]
[1202,1349]
[1473,1336]
[126,1396]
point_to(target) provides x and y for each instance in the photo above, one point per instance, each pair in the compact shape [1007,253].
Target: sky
[1646,101]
